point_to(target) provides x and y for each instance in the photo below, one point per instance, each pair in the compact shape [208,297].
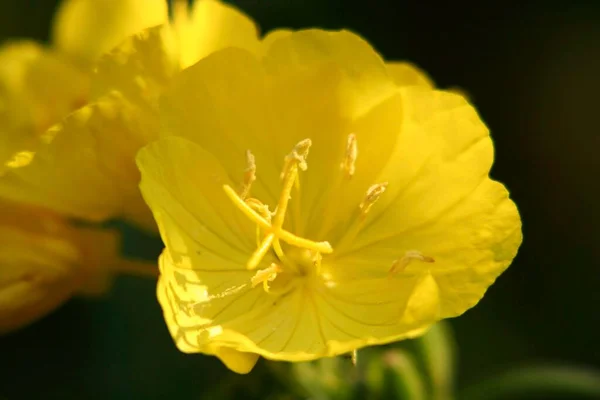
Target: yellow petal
[204,283]
[472,244]
[85,29]
[221,103]
[406,74]
[441,203]
[211,26]
[376,134]
[92,152]
[237,361]
[424,303]
[139,68]
[272,37]
[290,54]
[37,89]
[442,154]
[177,173]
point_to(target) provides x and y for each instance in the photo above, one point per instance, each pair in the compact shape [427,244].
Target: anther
[249,175]
[265,276]
[297,156]
[349,163]
[373,194]
[400,265]
[296,159]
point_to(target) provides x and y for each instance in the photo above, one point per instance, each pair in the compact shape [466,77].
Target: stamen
[289,238]
[399,265]
[263,211]
[373,194]
[249,175]
[260,252]
[296,159]
[259,213]
[354,357]
[265,276]
[349,163]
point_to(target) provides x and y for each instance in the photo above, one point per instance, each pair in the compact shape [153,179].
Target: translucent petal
[183,182]
[376,134]
[308,323]
[293,53]
[85,29]
[442,154]
[440,203]
[204,282]
[472,244]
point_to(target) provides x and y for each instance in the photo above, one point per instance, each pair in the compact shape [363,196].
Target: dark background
[533,72]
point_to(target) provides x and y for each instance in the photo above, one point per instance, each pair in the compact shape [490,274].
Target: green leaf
[438,350]
[538,382]
[404,377]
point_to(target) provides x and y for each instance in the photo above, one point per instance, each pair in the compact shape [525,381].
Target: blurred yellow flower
[37,89]
[39,86]
[314,200]
[86,29]
[44,258]
[44,261]
[93,150]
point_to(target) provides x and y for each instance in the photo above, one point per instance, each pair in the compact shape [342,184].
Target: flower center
[303,258]
[270,232]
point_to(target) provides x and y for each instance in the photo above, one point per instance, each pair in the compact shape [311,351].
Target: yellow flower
[39,86]
[316,200]
[44,258]
[93,150]
[44,261]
